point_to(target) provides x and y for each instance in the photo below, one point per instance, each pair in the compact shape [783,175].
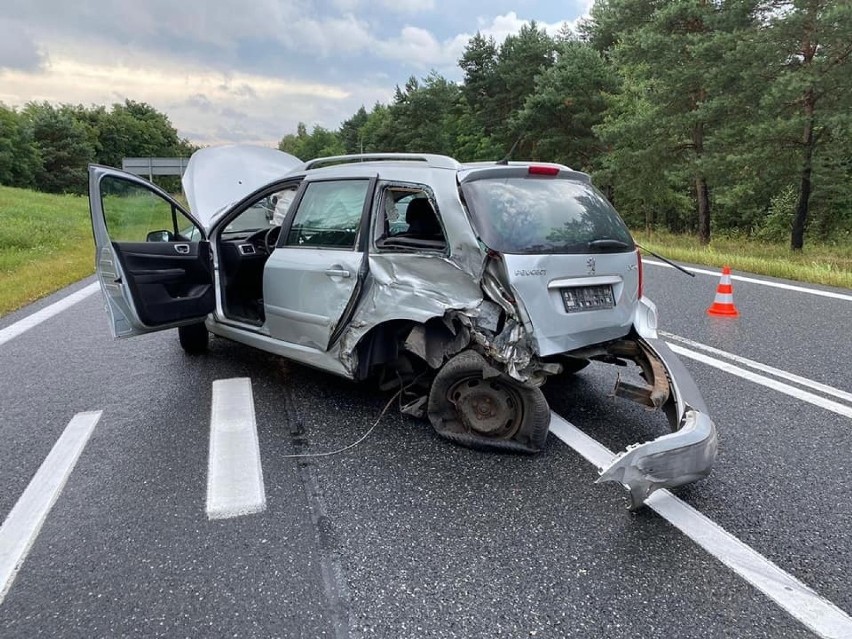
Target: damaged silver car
[471,282]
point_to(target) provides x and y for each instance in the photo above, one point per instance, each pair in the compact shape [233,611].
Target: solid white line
[21,326]
[818,614]
[24,521]
[777,372]
[234,474]
[781,387]
[753,280]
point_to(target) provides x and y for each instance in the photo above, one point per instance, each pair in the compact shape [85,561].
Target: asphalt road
[407,535]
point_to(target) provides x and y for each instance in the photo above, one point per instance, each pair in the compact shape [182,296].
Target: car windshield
[531,215]
[256,217]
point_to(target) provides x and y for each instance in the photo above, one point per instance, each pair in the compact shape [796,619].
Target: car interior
[409,223]
[244,246]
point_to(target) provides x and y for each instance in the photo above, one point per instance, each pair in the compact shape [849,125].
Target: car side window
[134,213]
[408,219]
[329,215]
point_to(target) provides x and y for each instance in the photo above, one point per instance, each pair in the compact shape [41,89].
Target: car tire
[194,338]
[473,404]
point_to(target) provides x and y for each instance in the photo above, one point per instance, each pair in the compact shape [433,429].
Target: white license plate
[587,298]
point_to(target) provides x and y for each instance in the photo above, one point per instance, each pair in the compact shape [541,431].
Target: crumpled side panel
[416,287]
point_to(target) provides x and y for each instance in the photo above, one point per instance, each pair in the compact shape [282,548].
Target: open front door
[152,258]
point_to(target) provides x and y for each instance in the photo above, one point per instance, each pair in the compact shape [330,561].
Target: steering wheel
[270,239]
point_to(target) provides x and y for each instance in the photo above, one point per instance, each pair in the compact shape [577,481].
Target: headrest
[421,218]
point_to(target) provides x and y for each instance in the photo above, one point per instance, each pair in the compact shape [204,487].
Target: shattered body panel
[415,287]
[678,458]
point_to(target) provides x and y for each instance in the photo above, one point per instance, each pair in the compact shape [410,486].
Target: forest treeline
[729,116]
[48,147]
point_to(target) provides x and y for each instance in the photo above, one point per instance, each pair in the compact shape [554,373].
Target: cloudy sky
[245,70]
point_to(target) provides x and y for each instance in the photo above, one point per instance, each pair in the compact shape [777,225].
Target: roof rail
[431,159]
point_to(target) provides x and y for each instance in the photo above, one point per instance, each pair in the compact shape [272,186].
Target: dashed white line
[804,604]
[754,280]
[25,324]
[781,387]
[802,381]
[234,473]
[24,521]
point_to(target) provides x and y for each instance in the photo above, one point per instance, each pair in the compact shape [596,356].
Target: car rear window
[544,215]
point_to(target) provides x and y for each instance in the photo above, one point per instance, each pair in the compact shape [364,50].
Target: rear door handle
[183,249]
[337,272]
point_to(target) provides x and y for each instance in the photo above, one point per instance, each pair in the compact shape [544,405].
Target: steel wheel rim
[488,407]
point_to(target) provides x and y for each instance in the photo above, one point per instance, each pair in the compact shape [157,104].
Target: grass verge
[817,263]
[45,244]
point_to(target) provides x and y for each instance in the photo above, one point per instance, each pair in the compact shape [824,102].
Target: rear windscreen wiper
[608,243]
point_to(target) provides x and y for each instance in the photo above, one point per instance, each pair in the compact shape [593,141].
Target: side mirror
[160,236]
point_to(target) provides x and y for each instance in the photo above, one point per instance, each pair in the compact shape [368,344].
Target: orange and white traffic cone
[723,305]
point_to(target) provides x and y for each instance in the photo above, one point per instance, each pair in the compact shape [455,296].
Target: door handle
[337,272]
[183,249]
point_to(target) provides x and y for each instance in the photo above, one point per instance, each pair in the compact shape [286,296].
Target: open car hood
[221,175]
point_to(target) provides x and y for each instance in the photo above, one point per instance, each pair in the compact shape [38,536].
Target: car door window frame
[360,244]
[244,204]
[378,225]
[138,182]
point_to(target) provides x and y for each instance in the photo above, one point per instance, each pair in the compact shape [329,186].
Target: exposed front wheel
[193,338]
[473,404]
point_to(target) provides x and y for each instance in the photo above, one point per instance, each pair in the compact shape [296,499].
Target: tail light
[639,268]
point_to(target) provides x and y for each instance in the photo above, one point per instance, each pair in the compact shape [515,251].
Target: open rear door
[152,258]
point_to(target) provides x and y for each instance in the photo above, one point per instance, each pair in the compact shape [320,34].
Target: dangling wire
[398,393]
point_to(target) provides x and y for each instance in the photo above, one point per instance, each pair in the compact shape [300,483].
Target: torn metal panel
[672,460]
[408,286]
[677,458]
[434,343]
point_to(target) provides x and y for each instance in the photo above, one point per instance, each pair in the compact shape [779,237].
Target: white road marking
[23,325]
[753,280]
[24,521]
[817,613]
[781,387]
[234,474]
[777,372]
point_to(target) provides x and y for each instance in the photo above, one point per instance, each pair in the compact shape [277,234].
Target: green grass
[45,244]
[817,263]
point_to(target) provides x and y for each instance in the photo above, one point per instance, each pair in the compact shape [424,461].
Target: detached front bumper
[678,458]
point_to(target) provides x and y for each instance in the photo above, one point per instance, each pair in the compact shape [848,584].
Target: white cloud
[417,47]
[346,6]
[396,6]
[409,6]
[200,102]
[327,37]
[422,50]
[508,24]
